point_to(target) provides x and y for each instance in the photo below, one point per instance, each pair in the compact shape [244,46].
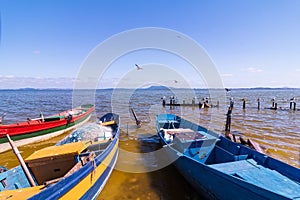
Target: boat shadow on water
[139,176]
[168,183]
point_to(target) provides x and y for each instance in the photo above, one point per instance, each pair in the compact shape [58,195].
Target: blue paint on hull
[62,187]
[225,170]
[95,190]
[216,185]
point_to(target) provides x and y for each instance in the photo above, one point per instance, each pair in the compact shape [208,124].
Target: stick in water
[137,121]
[17,152]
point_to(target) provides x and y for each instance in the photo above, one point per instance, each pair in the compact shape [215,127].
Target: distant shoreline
[152,88]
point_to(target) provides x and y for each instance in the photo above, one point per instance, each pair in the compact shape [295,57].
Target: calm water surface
[277,131]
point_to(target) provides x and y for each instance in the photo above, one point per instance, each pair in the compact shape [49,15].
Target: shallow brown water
[165,183]
[137,174]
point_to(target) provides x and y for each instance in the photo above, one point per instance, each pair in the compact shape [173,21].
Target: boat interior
[51,164]
[223,155]
[199,143]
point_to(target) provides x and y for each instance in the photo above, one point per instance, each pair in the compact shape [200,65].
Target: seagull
[138,67]
[227,90]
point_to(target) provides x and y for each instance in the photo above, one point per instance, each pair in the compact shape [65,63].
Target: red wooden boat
[45,127]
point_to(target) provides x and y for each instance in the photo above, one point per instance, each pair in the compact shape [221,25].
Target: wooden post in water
[244,103]
[164,101]
[293,103]
[231,103]
[24,166]
[273,103]
[258,103]
[228,119]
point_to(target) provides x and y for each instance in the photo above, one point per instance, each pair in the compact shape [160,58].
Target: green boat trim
[43,132]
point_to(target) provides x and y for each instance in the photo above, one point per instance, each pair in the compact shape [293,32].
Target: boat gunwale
[261,159]
[62,187]
[42,126]
[22,124]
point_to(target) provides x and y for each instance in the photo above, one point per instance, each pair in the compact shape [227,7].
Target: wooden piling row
[247,142]
[205,104]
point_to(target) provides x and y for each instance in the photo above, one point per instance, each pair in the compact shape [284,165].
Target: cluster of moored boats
[78,166]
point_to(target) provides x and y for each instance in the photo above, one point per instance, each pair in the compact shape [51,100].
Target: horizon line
[161,87]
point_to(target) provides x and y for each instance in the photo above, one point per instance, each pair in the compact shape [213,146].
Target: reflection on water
[277,131]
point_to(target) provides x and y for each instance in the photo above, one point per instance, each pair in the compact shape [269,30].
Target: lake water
[138,174]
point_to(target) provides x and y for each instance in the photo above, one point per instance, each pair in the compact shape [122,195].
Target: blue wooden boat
[221,169]
[76,168]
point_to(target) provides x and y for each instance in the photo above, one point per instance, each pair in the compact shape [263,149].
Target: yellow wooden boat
[76,168]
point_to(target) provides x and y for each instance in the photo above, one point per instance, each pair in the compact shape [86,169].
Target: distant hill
[157,88]
[29,89]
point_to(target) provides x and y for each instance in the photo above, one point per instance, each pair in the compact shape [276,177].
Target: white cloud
[12,82]
[7,76]
[226,75]
[253,70]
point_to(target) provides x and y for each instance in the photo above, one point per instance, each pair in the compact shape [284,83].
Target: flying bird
[138,67]
[227,90]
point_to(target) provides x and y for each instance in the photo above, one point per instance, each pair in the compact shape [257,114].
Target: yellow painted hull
[83,186]
[84,182]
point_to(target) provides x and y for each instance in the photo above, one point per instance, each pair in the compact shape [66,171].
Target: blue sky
[253,43]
